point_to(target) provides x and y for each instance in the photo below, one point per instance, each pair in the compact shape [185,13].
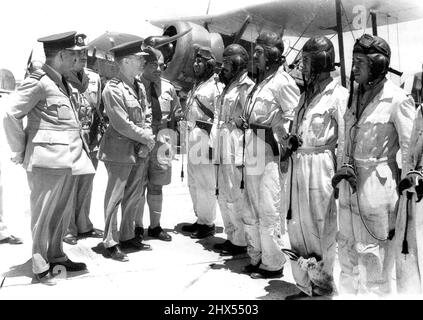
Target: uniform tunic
[125,136]
[90,88]
[163,112]
[54,154]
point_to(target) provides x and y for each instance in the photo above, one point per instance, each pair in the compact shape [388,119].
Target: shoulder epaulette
[37,74]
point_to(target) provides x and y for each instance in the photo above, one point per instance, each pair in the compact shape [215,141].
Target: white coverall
[371,144]
[201,171]
[272,103]
[313,226]
[409,266]
[227,139]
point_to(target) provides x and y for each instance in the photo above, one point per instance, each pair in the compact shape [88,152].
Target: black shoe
[233,250]
[159,233]
[45,278]
[251,268]
[116,254]
[69,265]
[266,274]
[12,240]
[203,231]
[298,296]
[134,243]
[190,227]
[70,239]
[139,233]
[222,246]
[93,233]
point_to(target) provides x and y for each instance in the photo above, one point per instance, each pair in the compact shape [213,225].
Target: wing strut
[340,41]
[374,22]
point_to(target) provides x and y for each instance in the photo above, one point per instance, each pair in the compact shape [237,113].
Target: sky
[24,21]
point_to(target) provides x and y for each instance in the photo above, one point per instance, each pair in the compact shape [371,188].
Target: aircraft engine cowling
[179,64]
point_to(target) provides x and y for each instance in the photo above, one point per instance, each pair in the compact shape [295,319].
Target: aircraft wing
[108,40]
[295,17]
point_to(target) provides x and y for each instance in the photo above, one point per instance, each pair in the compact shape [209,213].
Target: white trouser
[367,263]
[262,207]
[408,266]
[231,203]
[312,228]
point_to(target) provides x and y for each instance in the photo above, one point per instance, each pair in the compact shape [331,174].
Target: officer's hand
[143,151]
[18,158]
[294,142]
[151,143]
[346,172]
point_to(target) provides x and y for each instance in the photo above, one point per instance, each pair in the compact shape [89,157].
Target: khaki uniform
[119,148]
[90,98]
[227,140]
[408,266]
[160,158]
[272,104]
[55,154]
[371,143]
[313,226]
[201,171]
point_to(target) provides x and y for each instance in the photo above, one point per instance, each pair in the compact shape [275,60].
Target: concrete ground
[184,269]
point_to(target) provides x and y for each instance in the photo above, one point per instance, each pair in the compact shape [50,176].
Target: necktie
[155,104]
[65,84]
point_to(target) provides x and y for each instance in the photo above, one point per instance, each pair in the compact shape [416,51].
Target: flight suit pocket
[51,150]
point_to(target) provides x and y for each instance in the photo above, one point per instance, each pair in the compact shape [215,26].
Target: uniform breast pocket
[61,107]
[51,150]
[166,102]
[319,123]
[265,103]
[134,111]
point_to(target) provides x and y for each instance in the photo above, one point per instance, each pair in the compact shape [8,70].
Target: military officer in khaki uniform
[124,149]
[165,108]
[51,149]
[87,82]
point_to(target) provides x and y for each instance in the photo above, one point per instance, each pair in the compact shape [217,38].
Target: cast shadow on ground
[278,290]
[20,270]
[25,270]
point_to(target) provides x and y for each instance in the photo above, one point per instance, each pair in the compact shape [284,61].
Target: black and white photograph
[195,151]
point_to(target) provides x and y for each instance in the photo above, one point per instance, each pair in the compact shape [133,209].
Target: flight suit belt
[359,162]
[317,149]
